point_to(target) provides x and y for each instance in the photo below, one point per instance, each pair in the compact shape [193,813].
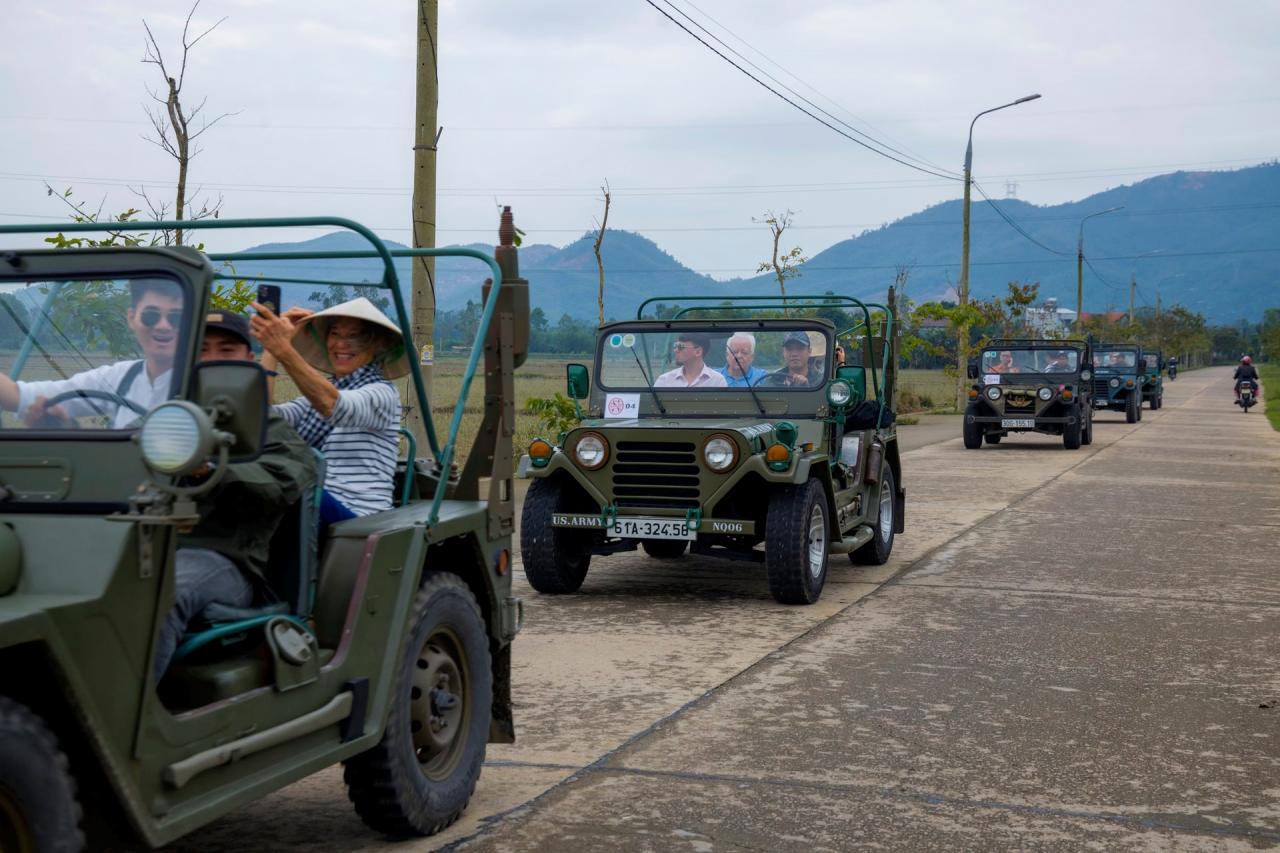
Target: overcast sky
[543,101]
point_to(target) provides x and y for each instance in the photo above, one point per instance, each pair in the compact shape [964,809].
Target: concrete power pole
[424,200]
[1133,285]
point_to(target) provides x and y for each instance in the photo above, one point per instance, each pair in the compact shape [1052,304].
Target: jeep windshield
[1115,359]
[720,359]
[1029,360]
[88,355]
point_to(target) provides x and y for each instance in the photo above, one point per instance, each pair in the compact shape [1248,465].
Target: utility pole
[1133,285]
[426,137]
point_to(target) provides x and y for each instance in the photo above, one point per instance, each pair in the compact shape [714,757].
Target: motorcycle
[1173,372]
[1248,395]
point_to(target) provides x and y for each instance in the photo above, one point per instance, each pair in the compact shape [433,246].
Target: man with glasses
[155,318]
[691,369]
[739,353]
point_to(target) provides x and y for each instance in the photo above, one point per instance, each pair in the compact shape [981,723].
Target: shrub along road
[1068,648]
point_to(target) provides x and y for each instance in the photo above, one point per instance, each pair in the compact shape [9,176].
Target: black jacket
[1246,371]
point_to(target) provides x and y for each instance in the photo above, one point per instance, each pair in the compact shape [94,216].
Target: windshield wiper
[747,378]
[661,408]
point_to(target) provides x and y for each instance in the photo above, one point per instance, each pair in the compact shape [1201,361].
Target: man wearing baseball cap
[796,370]
[224,557]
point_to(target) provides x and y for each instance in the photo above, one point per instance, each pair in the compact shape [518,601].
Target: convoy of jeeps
[748,430]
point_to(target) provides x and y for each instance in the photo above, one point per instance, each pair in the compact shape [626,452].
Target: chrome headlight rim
[732,447]
[603,448]
[1114,383]
[1045,394]
[176,438]
[992,393]
[839,393]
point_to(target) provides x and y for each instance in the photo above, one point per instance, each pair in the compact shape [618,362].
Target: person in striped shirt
[342,360]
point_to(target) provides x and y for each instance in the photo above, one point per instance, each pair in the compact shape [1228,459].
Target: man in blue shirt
[739,353]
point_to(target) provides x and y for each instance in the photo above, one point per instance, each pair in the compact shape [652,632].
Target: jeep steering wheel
[774,380]
[94,394]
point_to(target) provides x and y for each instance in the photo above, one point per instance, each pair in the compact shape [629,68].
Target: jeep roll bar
[443,456]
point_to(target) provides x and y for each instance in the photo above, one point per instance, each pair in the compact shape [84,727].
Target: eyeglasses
[683,346]
[357,340]
[150,317]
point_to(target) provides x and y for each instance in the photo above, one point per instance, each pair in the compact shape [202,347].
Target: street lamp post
[963,343]
[1080,265]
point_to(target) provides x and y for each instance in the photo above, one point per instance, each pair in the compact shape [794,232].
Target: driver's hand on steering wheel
[41,415]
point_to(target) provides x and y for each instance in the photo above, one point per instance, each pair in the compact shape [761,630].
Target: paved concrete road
[1068,649]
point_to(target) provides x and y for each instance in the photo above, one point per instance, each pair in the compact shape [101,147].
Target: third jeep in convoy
[1026,385]
[1119,372]
[1153,380]
[736,437]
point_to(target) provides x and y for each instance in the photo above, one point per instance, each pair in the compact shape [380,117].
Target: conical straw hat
[309,339]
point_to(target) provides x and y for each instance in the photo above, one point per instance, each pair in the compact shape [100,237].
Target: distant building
[1048,320]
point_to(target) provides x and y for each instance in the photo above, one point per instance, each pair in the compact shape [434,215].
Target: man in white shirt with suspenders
[155,318]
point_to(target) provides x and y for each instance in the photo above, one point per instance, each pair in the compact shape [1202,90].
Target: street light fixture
[1080,264]
[963,347]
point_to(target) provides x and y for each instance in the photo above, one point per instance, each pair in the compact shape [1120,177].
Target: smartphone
[269,295]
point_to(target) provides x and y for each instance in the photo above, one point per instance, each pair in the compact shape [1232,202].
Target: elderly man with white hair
[739,353]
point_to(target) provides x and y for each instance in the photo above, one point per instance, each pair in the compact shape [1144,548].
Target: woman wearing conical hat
[342,359]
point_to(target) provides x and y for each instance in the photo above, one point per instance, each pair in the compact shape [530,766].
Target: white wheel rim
[886,512]
[817,541]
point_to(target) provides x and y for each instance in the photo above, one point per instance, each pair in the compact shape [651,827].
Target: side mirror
[1086,375]
[236,394]
[1160,365]
[577,381]
[973,370]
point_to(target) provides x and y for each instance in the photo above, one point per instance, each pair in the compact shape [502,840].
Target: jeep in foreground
[1027,385]
[731,435]
[382,642]
[1119,374]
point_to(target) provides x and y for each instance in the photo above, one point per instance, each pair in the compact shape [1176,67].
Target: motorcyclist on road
[1172,365]
[1246,372]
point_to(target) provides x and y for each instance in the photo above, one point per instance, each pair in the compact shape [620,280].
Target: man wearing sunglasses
[155,318]
[691,369]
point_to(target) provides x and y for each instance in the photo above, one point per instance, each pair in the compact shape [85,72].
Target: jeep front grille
[1019,400]
[656,474]
[1100,388]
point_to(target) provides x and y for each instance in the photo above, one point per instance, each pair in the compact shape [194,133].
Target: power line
[816,118]
[1015,226]
[792,91]
[1102,278]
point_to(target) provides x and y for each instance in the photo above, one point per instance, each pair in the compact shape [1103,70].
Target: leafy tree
[785,265]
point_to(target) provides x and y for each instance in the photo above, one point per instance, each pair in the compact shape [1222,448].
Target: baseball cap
[231,322]
[796,338]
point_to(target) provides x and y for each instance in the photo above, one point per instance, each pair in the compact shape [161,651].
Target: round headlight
[993,392]
[839,393]
[1114,383]
[1044,393]
[720,453]
[591,451]
[176,438]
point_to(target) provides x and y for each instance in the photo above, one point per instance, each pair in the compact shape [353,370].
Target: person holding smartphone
[155,318]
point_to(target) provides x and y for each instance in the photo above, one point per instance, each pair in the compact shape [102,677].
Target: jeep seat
[291,577]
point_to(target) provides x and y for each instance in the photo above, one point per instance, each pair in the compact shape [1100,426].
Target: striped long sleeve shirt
[360,440]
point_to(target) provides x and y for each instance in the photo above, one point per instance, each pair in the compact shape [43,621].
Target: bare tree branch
[599,240]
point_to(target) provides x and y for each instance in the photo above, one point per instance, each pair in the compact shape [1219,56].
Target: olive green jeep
[734,436]
[382,642]
[1153,378]
[1029,385]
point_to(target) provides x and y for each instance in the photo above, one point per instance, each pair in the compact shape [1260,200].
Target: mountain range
[1207,240]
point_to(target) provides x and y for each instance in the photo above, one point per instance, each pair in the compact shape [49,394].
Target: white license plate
[652,528]
[1018,423]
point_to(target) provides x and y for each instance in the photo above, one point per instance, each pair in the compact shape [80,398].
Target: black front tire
[972,432]
[1072,435]
[877,551]
[1132,413]
[664,549]
[39,811]
[796,543]
[1086,417]
[420,776]
[555,559]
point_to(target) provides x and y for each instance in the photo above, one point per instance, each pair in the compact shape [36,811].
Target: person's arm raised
[276,335]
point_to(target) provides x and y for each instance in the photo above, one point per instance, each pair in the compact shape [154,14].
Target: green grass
[1270,375]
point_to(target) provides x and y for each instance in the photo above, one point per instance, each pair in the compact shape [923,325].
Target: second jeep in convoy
[1153,380]
[1026,385]
[736,437]
[1119,374]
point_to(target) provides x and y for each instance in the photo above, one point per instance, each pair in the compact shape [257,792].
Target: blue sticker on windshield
[615,341]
